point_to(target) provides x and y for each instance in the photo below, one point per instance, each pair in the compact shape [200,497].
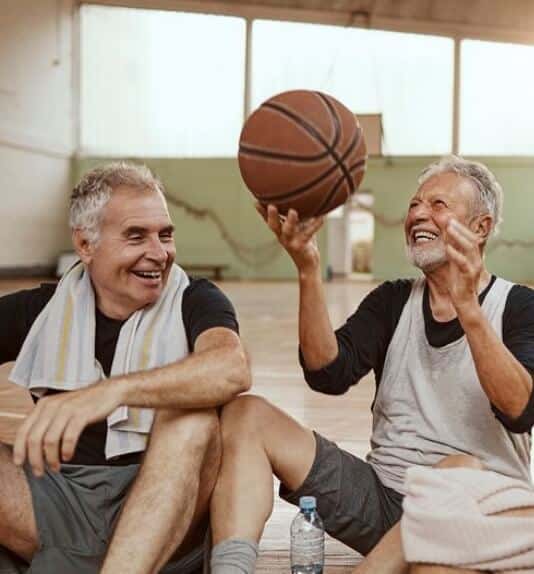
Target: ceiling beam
[359,19]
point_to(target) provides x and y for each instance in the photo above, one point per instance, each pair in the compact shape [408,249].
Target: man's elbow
[240,376]
[327,386]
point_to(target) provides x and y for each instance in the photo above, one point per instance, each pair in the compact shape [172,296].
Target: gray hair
[490,195]
[90,196]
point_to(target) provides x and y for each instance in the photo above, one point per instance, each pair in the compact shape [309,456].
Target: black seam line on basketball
[245,150]
[337,123]
[276,198]
[288,195]
[310,128]
[334,190]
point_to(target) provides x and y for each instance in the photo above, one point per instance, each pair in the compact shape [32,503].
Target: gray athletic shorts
[354,505]
[76,511]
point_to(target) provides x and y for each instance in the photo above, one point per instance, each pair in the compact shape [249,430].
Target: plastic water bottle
[307,539]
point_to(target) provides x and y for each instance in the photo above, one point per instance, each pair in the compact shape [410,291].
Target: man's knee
[461,461]
[244,413]
[195,429]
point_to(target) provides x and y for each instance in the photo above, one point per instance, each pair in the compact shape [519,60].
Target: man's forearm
[505,381]
[318,342]
[203,379]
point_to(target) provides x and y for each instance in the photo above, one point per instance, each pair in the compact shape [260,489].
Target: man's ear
[83,247]
[483,226]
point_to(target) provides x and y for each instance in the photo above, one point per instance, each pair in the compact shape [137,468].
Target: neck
[109,307]
[440,300]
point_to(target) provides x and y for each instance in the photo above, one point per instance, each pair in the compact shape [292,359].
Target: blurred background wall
[81,84]
[37,137]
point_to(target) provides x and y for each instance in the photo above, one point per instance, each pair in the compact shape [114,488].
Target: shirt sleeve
[518,336]
[362,341]
[205,306]
[18,311]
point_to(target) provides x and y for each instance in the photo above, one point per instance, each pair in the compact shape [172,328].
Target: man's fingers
[461,236]
[273,220]
[291,224]
[464,231]
[71,436]
[312,226]
[460,242]
[34,445]
[261,209]
[19,448]
[52,441]
[457,257]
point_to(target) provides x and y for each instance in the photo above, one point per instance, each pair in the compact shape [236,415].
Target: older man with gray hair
[125,354]
[453,357]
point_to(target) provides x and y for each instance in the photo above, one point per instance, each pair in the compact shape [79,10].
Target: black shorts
[355,506]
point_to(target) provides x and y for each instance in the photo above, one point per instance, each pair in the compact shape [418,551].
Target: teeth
[149,274]
[423,236]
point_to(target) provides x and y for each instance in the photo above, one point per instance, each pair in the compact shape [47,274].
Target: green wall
[211,190]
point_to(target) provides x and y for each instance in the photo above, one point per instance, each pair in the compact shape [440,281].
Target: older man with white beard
[453,357]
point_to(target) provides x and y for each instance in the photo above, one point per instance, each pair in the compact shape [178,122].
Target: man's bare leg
[258,439]
[18,530]
[387,557]
[170,494]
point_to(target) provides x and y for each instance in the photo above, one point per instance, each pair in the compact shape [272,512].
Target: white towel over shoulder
[450,518]
[59,350]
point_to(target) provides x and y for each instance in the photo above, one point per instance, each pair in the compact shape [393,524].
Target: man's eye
[166,236]
[135,237]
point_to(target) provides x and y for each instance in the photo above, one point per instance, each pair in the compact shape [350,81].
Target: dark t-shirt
[204,306]
[364,339]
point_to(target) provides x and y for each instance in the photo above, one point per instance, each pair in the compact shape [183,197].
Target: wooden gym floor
[268,319]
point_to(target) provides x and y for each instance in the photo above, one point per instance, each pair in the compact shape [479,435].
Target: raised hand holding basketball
[297,237]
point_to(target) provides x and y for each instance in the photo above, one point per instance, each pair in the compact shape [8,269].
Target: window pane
[161,83]
[497,110]
[406,77]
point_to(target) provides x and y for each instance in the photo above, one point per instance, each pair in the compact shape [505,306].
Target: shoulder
[29,302]
[384,304]
[519,305]
[520,295]
[204,306]
[18,311]
[203,291]
[389,293]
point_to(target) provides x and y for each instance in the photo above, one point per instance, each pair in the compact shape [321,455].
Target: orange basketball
[302,150]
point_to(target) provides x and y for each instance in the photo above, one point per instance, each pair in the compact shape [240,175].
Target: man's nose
[421,212]
[157,251]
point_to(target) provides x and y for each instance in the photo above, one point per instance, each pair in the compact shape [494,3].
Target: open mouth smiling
[420,236]
[148,274]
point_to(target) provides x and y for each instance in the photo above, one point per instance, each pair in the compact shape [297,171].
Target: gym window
[160,84]
[497,94]
[408,78]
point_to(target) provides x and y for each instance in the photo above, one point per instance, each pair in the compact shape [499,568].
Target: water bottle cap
[308,503]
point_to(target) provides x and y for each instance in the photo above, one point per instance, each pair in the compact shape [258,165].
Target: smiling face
[442,197]
[130,262]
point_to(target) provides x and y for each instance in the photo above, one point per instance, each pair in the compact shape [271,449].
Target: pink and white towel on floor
[450,519]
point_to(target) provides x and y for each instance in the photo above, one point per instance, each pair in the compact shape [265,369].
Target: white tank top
[430,403]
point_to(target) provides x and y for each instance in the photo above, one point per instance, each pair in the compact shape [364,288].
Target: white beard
[427,257]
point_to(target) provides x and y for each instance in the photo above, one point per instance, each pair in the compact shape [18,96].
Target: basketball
[302,150]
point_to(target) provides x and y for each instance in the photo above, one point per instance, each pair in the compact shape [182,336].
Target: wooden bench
[213,270]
